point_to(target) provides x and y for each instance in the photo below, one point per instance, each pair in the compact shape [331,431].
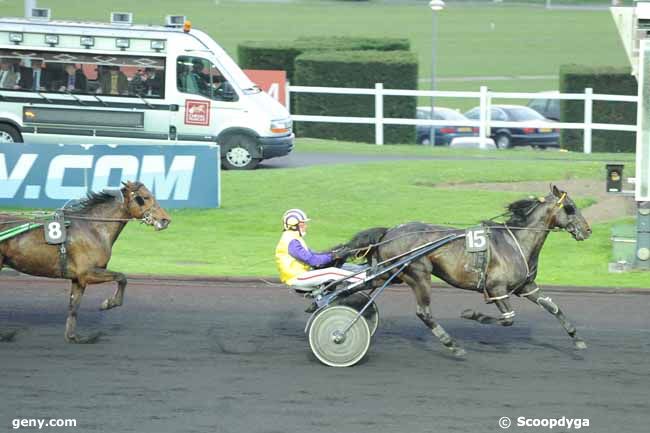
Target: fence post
[484,116]
[589,92]
[287,96]
[379,114]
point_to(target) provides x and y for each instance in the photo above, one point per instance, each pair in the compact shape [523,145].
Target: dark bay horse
[510,265]
[95,224]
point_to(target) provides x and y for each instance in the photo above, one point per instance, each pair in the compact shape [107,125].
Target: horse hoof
[468,314]
[8,337]
[580,344]
[458,352]
[91,339]
[105,305]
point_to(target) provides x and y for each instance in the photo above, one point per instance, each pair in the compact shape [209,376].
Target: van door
[207,103]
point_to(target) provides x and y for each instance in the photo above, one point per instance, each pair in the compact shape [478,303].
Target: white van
[78,83]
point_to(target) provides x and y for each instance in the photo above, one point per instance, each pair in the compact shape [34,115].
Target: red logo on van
[197,112]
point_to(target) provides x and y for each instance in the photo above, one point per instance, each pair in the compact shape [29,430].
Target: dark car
[549,108]
[444,134]
[538,132]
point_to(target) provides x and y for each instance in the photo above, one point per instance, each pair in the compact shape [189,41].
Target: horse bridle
[571,226]
[147,216]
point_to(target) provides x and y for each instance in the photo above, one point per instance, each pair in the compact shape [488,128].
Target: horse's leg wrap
[507,313]
[481,318]
[442,335]
[424,313]
[547,303]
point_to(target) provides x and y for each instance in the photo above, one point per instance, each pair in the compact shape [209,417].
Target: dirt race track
[232,357]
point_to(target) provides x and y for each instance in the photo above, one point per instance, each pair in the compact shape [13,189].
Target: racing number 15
[476,240]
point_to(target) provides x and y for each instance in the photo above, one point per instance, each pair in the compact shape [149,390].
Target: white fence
[484,97]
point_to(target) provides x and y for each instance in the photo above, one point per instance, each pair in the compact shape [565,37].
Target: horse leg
[76,293]
[97,276]
[534,294]
[422,287]
[503,304]
[9,335]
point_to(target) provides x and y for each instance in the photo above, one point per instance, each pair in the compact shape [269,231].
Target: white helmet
[292,218]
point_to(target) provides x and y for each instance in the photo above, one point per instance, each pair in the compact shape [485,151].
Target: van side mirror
[227,92]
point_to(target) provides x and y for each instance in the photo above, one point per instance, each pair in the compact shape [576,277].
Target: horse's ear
[556,192]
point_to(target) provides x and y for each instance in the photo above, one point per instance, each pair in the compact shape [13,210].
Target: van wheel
[9,134]
[240,153]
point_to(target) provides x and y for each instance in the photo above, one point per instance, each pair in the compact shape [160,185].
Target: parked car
[549,108]
[538,133]
[443,134]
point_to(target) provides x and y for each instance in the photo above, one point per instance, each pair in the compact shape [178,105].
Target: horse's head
[141,204]
[565,215]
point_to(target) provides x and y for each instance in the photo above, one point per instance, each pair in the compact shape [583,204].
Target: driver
[296,262]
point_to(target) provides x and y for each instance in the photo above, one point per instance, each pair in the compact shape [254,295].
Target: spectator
[73,80]
[202,79]
[35,77]
[9,77]
[137,85]
[153,82]
[188,82]
[113,82]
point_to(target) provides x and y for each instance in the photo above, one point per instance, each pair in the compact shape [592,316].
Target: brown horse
[95,224]
[508,266]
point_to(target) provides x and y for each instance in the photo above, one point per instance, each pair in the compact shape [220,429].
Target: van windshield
[199,76]
[234,73]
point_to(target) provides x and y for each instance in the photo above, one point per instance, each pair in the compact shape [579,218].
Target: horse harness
[482,261]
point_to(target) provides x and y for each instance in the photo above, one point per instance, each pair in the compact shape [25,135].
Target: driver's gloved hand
[341,253]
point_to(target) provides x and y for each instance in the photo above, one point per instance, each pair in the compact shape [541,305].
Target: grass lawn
[471,40]
[314,145]
[239,238]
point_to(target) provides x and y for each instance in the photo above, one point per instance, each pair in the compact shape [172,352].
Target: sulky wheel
[357,301]
[328,342]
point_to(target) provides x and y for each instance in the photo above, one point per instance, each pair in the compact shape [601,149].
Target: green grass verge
[314,145]
[240,238]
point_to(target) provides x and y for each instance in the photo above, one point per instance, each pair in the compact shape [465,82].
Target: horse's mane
[92,200]
[520,210]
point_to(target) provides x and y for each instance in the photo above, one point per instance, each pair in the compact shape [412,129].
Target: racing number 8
[54,230]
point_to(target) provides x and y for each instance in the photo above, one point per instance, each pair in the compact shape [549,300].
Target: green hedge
[349,43]
[362,69]
[275,55]
[280,55]
[605,80]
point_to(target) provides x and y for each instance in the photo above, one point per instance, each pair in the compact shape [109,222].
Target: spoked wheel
[9,134]
[239,153]
[328,342]
[357,301]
